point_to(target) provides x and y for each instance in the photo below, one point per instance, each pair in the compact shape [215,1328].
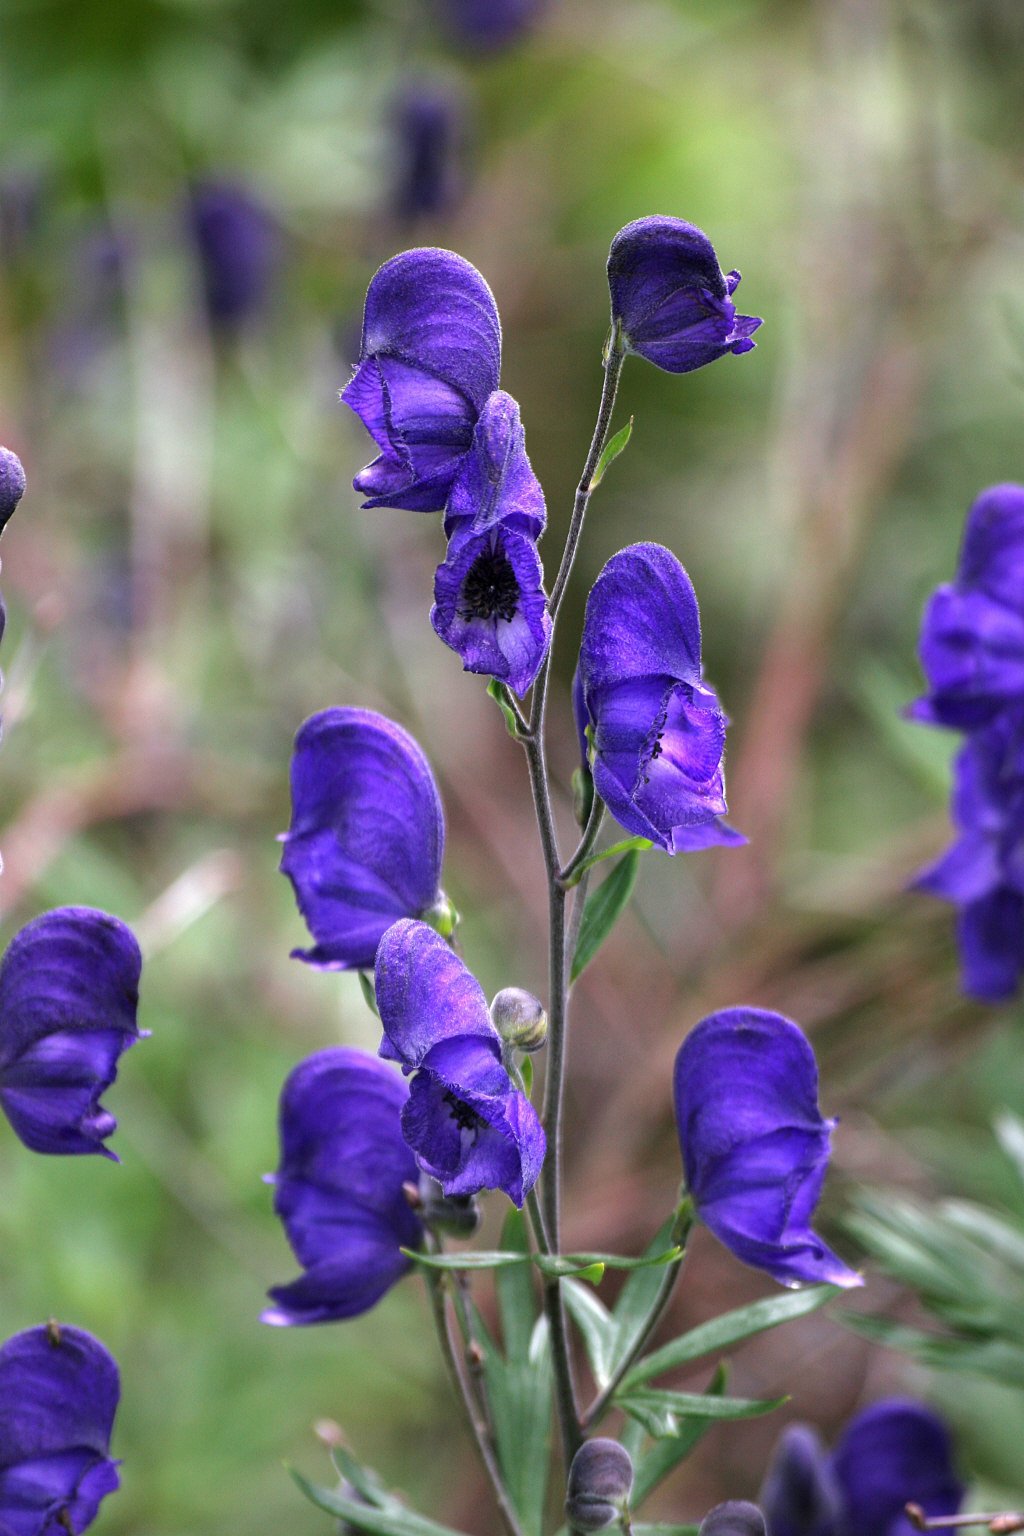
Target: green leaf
[639,1293]
[661,1412]
[612,448]
[627,845]
[588,1266]
[525,1070]
[369,994]
[603,909]
[365,1482]
[1009,1129]
[721,1332]
[665,1530]
[597,1326]
[995,1359]
[517,1303]
[394,1520]
[497,691]
[666,1455]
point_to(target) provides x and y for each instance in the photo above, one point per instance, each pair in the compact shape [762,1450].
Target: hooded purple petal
[12,485]
[59,1391]
[800,1495]
[755,1147]
[367,835]
[894,1453]
[671,299]
[430,356]
[69,992]
[338,1190]
[425,993]
[495,482]
[490,606]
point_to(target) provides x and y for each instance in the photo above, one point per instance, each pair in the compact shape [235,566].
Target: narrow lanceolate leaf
[366,1483]
[665,1455]
[395,1520]
[496,691]
[627,845]
[722,1332]
[639,1293]
[369,995]
[589,1266]
[603,909]
[662,1413]
[1009,1129]
[612,448]
[597,1327]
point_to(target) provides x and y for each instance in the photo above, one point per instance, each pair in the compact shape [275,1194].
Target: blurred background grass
[189,577]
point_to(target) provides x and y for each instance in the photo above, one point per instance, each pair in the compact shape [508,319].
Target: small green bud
[600,1483]
[520,1019]
[443,916]
[582,795]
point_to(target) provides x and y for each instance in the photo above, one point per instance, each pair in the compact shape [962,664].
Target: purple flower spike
[12,485]
[59,1391]
[670,298]
[755,1147]
[429,135]
[800,1495]
[972,635]
[468,1126]
[430,357]
[367,835]
[659,732]
[490,23]
[895,1452]
[339,1191]
[238,249]
[69,991]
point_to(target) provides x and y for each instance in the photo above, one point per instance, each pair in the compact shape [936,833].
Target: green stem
[591,833]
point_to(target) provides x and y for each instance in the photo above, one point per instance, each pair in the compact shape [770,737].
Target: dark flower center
[490,588]
[465,1118]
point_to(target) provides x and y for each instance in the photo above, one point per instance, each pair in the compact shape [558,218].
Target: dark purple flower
[489,23]
[755,1147]
[468,1126]
[658,730]
[972,634]
[428,132]
[800,1495]
[894,1453]
[12,485]
[734,1518]
[983,872]
[69,991]
[339,1190]
[367,835]
[430,356]
[599,1486]
[59,1391]
[671,301]
[238,249]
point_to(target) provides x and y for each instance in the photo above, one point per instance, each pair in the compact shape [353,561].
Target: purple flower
[430,356]
[367,835]
[428,132]
[489,600]
[490,23]
[12,485]
[894,1453]
[658,730]
[59,1391]
[69,991]
[983,872]
[755,1147]
[238,249]
[339,1190]
[972,635]
[670,299]
[469,1128]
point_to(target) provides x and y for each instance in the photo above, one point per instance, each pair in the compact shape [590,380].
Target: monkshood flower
[12,485]
[658,730]
[429,358]
[468,1126]
[490,23]
[489,600]
[671,301]
[735,1518]
[69,992]
[599,1485]
[238,249]
[894,1453]
[972,634]
[983,872]
[755,1147]
[339,1189]
[367,834]
[428,133]
[59,1390]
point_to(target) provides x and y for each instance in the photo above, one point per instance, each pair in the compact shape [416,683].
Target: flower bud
[456,1214]
[735,1518]
[600,1483]
[12,484]
[799,1495]
[442,915]
[520,1019]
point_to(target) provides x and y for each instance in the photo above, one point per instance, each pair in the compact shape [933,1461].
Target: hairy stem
[591,832]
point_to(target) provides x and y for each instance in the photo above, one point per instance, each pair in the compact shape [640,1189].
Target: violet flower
[983,872]
[339,1189]
[238,249]
[755,1147]
[59,1390]
[671,301]
[490,24]
[367,834]
[428,148]
[12,485]
[69,991]
[894,1453]
[489,600]
[658,730]
[468,1126]
[429,358]
[972,634]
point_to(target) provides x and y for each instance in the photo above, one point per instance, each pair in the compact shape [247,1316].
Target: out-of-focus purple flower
[59,1391]
[983,872]
[367,834]
[972,634]
[755,1147]
[12,485]
[339,1190]
[21,207]
[468,1126]
[658,730]
[430,357]
[428,141]
[894,1453]
[489,600]
[69,992]
[489,23]
[238,248]
[671,301]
